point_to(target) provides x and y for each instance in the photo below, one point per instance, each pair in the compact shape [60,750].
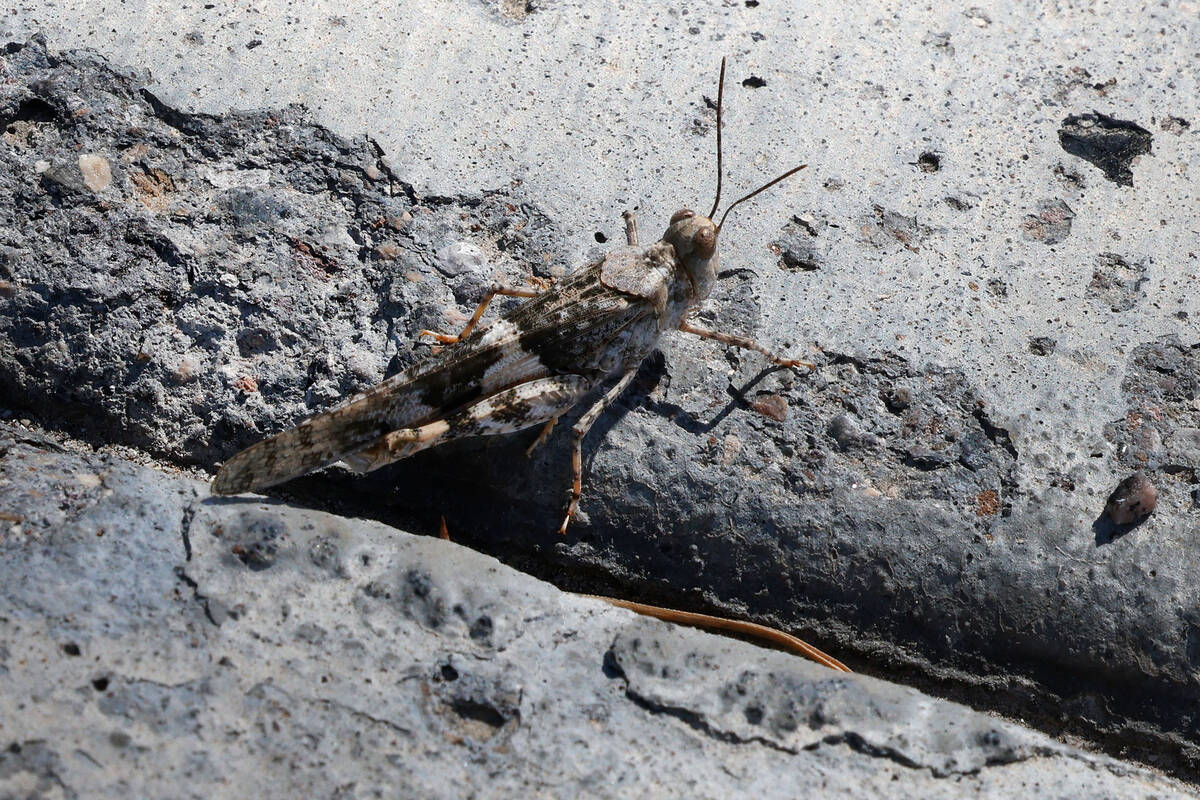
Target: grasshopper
[529,367]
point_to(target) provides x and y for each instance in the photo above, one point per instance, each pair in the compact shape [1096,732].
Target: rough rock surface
[930,500]
[158,642]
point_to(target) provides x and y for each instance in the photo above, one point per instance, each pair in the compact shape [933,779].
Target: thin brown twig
[710,622]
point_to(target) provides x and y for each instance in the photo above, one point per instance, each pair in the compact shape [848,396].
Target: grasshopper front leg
[745,344]
[493,290]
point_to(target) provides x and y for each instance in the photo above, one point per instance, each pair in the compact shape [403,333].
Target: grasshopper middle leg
[543,436]
[493,290]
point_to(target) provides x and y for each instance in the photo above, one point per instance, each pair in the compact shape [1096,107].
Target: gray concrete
[987,294]
[157,642]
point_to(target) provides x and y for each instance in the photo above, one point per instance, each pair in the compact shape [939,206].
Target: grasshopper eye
[682,213]
[705,241]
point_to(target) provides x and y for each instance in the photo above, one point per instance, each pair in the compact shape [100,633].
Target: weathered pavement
[992,260]
[158,642]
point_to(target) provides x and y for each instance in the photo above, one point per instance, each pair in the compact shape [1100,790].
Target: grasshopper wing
[566,330]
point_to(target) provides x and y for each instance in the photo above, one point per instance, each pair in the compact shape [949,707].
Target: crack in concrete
[857,743]
[853,740]
[197,595]
[359,714]
[697,721]
[185,529]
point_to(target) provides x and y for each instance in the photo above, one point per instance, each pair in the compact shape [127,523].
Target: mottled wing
[563,330]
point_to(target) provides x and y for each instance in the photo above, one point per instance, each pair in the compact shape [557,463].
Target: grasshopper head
[695,241]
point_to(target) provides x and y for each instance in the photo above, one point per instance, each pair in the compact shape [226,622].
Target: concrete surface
[989,255]
[157,642]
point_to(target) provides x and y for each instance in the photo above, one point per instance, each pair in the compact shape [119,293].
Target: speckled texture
[940,229]
[158,642]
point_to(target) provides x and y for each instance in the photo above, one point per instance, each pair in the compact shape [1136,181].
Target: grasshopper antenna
[720,100]
[759,190]
[720,169]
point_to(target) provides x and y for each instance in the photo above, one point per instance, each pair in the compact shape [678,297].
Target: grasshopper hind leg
[516,408]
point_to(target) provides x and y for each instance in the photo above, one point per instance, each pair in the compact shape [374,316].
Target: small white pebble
[461,257]
[96,173]
[89,480]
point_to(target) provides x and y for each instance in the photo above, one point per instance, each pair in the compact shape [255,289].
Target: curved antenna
[720,100]
[759,190]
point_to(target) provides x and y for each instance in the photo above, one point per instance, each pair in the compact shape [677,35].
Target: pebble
[460,257]
[845,431]
[1133,500]
[387,251]
[1042,345]
[899,399]
[772,406]
[96,173]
